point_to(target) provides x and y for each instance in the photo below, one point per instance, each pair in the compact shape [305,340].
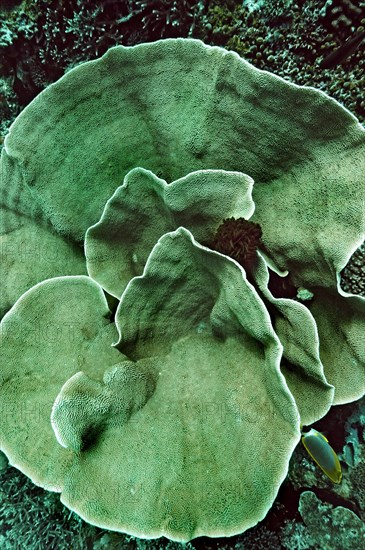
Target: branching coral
[342,15]
[163,17]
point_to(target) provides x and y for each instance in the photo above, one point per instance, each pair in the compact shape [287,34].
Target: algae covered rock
[165,378]
[331,528]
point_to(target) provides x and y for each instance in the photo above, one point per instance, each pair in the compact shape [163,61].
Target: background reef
[42,39]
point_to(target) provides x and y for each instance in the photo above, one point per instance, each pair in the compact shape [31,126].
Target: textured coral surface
[39,42]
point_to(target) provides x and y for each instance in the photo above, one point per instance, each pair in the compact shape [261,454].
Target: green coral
[177,413]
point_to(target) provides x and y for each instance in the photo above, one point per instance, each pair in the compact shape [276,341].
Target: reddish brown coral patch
[238,239]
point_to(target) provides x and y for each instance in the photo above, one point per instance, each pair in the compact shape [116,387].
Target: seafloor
[39,41]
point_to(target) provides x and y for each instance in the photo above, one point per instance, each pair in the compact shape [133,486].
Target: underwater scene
[182,299]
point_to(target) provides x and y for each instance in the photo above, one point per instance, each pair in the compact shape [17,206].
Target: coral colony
[173,389]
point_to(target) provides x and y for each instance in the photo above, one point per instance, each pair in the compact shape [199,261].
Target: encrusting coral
[177,413]
[328,527]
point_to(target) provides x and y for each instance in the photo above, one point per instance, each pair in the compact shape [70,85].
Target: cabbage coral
[165,383]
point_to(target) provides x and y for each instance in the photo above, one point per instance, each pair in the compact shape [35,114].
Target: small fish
[323,454]
[343,51]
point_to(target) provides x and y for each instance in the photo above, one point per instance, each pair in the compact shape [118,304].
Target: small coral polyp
[177,414]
